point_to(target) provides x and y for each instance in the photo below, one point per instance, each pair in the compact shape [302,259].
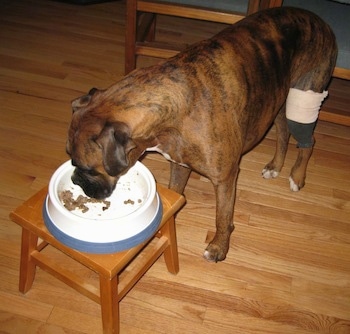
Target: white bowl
[133,215]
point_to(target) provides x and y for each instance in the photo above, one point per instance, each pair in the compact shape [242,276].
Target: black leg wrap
[302,133]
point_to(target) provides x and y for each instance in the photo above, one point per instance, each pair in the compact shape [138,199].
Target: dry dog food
[130,201]
[80,203]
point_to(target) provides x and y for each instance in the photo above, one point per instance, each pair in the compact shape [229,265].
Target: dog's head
[101,148]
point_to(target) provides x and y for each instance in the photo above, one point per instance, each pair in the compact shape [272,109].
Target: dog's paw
[293,186]
[214,254]
[269,173]
[208,256]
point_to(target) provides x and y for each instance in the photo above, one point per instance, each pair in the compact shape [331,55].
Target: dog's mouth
[95,186]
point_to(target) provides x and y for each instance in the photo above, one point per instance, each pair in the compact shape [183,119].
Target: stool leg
[27,266]
[109,304]
[171,255]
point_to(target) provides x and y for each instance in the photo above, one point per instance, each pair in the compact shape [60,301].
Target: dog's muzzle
[95,186]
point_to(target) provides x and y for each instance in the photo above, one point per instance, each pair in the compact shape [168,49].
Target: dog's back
[264,54]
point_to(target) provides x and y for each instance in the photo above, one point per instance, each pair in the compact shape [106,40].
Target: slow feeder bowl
[129,216]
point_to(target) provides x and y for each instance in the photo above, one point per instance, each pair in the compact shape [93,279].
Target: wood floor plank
[25,307]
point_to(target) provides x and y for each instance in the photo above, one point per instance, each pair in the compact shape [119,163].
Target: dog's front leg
[225,199]
[178,177]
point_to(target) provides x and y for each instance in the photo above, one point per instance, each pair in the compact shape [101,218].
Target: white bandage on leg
[304,106]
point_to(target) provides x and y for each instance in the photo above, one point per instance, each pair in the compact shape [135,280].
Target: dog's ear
[84,100]
[115,143]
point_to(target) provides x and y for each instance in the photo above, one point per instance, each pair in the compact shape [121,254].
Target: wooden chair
[141,22]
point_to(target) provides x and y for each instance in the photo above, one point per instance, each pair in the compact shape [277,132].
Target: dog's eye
[83,169]
[94,139]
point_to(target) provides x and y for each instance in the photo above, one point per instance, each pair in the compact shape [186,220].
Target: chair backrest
[141,15]
[223,11]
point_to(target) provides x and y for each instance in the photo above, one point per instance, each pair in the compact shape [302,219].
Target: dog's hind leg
[273,168]
[302,109]
[298,173]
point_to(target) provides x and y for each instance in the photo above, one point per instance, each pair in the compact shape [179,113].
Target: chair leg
[27,266]
[109,304]
[253,6]
[140,27]
[264,4]
[171,255]
[130,36]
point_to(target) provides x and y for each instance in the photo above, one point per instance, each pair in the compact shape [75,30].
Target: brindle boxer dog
[204,108]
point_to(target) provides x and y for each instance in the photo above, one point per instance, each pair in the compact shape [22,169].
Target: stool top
[29,216]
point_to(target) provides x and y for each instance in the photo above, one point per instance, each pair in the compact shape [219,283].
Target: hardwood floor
[288,269]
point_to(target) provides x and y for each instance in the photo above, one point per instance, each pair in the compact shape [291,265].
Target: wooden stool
[108,266]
